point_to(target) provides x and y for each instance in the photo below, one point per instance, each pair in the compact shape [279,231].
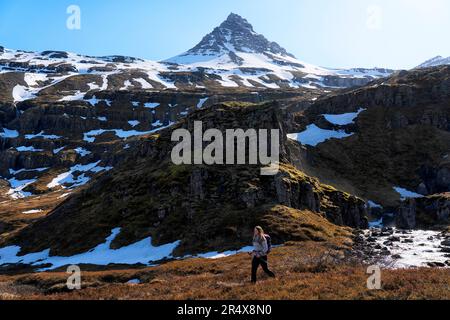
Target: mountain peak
[235,21]
[232,36]
[233,15]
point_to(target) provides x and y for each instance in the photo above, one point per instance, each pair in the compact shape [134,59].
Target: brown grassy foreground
[307,270]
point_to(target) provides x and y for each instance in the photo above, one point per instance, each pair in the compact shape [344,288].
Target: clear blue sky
[333,33]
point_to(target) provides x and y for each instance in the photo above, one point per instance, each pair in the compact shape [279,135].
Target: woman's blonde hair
[260,232]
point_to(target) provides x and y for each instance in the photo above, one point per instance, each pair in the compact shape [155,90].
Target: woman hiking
[260,251]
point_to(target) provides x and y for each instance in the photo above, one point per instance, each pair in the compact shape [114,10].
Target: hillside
[396,137]
[184,210]
[204,208]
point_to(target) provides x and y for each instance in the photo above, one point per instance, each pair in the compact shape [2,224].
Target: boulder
[406,217]
[436,264]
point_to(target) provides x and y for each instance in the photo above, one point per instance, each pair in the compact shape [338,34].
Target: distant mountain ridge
[434,62]
[233,55]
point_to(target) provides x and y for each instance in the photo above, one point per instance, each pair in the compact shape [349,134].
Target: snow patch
[313,135]
[144,84]
[42,135]
[58,150]
[32,211]
[407,194]
[94,101]
[32,79]
[343,119]
[82,152]
[15,172]
[123,134]
[376,223]
[78,95]
[219,255]
[151,105]
[20,93]
[201,103]
[28,149]
[133,123]
[68,178]
[126,85]
[372,204]
[17,186]
[9,133]
[134,281]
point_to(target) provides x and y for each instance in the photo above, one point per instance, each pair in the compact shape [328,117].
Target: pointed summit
[234,35]
[235,55]
[235,21]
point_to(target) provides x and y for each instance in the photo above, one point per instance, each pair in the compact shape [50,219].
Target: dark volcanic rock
[426,212]
[436,264]
[406,217]
[345,82]
[55,54]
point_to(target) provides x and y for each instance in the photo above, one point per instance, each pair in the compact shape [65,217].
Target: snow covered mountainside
[434,62]
[243,57]
[233,55]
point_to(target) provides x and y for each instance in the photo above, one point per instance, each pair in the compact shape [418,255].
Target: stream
[397,249]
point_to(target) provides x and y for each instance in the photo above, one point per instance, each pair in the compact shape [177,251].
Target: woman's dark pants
[256,262]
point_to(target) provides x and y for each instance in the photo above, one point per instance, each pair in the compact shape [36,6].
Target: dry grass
[12,216]
[307,270]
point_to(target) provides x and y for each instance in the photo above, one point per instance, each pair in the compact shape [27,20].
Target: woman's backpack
[269,243]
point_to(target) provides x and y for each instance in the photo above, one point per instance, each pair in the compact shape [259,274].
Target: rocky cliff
[400,137]
[428,212]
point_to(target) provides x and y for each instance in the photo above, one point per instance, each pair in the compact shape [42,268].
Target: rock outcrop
[425,213]
[406,216]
